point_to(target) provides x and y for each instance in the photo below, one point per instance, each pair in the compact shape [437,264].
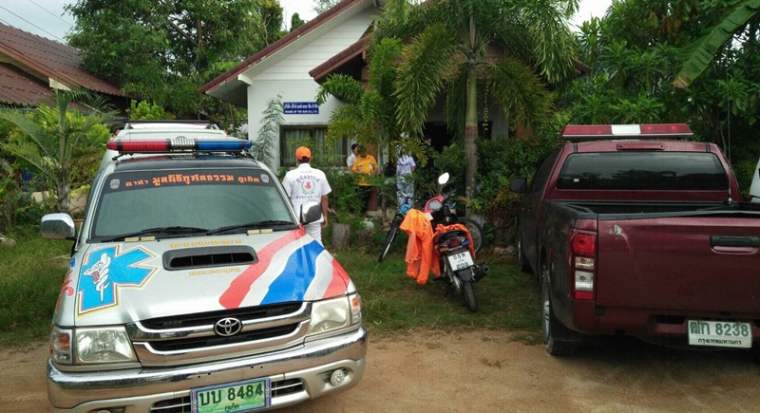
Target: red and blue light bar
[179,144]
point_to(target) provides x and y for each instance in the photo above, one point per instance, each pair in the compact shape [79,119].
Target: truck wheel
[557,338]
[524,264]
[469,296]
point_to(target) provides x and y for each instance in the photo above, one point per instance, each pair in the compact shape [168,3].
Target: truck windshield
[187,202]
[643,171]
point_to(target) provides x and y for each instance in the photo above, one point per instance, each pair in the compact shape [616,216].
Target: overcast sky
[48,18]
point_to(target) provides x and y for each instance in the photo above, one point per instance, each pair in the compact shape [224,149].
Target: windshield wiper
[177,230]
[273,224]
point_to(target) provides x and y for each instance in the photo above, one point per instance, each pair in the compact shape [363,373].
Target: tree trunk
[63,195]
[471,132]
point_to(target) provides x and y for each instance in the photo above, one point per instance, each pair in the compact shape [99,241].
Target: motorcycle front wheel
[476,232]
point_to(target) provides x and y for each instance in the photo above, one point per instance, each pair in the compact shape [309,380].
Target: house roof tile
[51,59]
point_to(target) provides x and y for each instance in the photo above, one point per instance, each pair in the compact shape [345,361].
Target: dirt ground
[485,371]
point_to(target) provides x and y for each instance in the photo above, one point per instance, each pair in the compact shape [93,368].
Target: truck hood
[119,283]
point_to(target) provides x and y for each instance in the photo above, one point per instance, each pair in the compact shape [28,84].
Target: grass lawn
[508,298]
[32,272]
[30,280]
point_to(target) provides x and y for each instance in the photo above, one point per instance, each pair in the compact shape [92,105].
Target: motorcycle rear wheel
[468,291]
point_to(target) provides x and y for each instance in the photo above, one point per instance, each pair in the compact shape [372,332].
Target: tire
[476,232]
[468,291]
[559,341]
[392,234]
[524,263]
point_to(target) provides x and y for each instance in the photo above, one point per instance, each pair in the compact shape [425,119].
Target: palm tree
[472,48]
[707,48]
[56,139]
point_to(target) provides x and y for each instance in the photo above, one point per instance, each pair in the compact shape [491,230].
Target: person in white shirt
[352,156]
[405,167]
[306,184]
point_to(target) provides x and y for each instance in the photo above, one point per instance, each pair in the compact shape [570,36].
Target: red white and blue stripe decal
[292,268]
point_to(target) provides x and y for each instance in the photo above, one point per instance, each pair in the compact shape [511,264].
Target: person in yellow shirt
[365,167]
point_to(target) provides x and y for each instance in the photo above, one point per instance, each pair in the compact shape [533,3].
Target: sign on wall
[300,108]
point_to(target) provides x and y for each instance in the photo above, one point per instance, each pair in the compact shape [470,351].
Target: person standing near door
[306,184]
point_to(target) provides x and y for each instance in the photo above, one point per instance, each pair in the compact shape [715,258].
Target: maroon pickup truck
[633,231]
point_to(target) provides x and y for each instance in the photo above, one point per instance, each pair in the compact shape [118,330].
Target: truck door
[532,209]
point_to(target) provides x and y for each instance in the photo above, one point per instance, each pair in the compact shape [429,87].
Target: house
[293,68]
[32,68]
[283,68]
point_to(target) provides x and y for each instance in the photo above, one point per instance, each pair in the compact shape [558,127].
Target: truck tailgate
[683,264]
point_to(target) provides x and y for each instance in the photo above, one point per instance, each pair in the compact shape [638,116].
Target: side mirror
[519,185]
[310,213]
[444,179]
[58,227]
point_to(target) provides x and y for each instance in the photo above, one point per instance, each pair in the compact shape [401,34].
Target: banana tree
[52,139]
[468,49]
[707,48]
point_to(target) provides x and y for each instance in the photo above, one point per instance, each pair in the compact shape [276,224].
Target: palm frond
[552,44]
[520,92]
[31,129]
[705,49]
[343,87]
[426,63]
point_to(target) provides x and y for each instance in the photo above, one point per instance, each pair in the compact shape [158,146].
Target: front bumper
[137,391]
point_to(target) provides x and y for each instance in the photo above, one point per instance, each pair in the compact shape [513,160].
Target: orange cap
[303,152]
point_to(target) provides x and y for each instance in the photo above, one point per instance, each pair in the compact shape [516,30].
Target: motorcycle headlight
[103,345]
[329,315]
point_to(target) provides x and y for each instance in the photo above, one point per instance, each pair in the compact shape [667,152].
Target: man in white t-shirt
[306,184]
[352,156]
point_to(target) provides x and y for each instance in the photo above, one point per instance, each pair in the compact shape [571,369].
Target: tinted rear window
[643,171]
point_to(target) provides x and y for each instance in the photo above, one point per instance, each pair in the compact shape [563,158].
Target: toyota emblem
[228,327]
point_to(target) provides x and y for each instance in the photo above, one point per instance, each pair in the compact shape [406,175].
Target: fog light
[338,377]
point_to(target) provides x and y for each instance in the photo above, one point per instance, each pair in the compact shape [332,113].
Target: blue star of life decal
[105,270]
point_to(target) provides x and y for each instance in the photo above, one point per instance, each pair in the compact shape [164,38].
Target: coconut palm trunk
[471,132]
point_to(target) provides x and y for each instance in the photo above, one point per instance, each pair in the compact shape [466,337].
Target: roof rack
[208,125]
[639,131]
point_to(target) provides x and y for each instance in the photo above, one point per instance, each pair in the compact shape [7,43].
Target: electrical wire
[32,24]
[51,13]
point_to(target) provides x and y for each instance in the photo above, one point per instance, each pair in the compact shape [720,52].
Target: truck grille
[182,404]
[192,338]
[210,341]
[242,314]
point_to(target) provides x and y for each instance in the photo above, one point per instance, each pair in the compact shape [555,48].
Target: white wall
[287,74]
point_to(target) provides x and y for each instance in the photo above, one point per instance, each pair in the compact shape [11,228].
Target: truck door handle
[734,241]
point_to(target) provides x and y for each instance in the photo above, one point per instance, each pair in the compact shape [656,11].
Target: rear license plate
[720,334]
[461,261]
[244,396]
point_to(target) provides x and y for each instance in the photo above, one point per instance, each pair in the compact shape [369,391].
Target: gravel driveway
[483,371]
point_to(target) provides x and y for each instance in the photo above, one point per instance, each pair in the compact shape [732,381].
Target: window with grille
[325,152]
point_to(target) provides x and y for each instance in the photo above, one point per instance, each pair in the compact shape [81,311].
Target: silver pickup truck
[193,287]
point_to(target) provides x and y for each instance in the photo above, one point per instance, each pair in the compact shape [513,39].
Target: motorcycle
[457,263]
[445,214]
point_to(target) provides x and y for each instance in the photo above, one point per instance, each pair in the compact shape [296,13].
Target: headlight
[103,345]
[329,315]
[60,346]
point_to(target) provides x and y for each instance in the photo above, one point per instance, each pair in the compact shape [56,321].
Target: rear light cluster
[583,260]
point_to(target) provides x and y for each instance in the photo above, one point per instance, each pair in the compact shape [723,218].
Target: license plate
[461,261]
[244,396]
[720,334]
